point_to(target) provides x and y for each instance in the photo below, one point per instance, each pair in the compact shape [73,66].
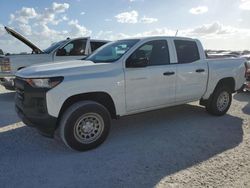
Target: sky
[219,24]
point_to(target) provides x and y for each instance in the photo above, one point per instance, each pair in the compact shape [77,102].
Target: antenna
[176,32]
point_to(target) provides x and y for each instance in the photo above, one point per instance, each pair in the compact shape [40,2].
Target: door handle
[200,70]
[168,73]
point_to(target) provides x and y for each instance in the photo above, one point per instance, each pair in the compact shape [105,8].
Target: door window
[74,48]
[187,51]
[156,52]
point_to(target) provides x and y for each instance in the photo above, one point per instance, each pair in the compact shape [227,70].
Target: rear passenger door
[192,72]
[153,85]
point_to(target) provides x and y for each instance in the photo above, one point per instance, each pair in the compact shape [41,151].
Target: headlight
[44,82]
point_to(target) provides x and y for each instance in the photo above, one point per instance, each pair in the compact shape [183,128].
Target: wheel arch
[100,97]
[229,82]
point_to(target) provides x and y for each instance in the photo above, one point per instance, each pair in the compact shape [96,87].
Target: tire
[84,125]
[220,101]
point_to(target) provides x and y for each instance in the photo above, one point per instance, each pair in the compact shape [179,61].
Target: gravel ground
[181,146]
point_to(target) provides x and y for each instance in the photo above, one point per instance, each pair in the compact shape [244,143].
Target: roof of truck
[93,40]
[98,40]
[160,37]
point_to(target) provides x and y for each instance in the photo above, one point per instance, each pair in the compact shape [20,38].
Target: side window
[187,51]
[74,48]
[156,52]
[68,48]
[96,45]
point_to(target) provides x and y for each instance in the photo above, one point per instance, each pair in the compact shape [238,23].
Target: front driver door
[153,85]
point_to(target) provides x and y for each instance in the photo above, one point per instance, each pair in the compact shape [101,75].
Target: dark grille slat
[19,85]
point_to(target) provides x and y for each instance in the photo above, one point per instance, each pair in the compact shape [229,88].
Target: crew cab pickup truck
[65,50]
[77,99]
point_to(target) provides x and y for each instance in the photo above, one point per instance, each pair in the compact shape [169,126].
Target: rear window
[187,51]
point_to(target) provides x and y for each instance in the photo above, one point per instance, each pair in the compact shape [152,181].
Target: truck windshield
[53,47]
[112,51]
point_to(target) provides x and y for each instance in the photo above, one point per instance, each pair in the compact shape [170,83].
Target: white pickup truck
[65,50]
[78,99]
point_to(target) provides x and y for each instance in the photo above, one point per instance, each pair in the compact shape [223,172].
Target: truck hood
[23,39]
[73,67]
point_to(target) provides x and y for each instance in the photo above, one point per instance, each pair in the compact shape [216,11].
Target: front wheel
[85,125]
[220,101]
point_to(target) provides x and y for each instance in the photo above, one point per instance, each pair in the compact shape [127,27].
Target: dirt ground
[181,146]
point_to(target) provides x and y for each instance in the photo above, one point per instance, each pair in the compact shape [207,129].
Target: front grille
[20,94]
[19,83]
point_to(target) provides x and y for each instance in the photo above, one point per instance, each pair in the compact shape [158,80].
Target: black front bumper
[31,107]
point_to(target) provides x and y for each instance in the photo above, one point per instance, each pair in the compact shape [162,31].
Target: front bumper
[31,107]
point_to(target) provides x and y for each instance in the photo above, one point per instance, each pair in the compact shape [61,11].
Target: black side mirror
[138,59]
[141,62]
[61,52]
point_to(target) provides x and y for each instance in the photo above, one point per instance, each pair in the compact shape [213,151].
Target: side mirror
[61,52]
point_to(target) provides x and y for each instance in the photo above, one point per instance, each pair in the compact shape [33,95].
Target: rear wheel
[85,125]
[220,101]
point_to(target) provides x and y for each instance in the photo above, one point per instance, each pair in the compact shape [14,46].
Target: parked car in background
[78,98]
[64,50]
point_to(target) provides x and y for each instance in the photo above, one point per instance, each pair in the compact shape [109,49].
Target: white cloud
[199,10]
[2,30]
[60,8]
[109,35]
[82,13]
[104,34]
[36,24]
[48,16]
[132,17]
[214,29]
[23,15]
[78,30]
[25,28]
[127,17]
[65,18]
[148,20]
[214,35]
[245,5]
